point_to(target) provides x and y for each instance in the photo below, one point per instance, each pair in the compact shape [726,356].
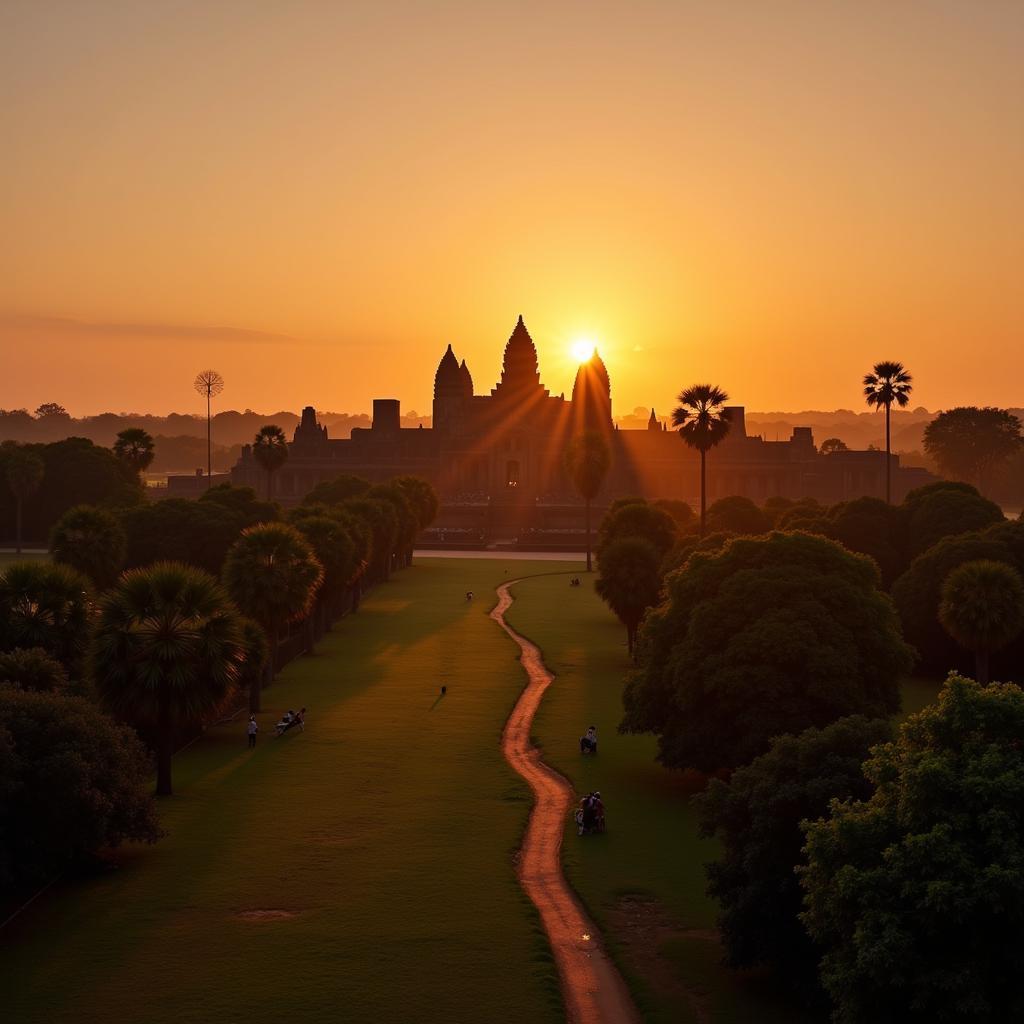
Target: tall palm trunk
[256,688]
[590,568]
[270,485]
[703,491]
[164,743]
[888,457]
[17,523]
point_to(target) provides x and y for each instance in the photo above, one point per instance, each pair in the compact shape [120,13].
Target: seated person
[588,743]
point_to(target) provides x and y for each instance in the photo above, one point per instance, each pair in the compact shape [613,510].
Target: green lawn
[9,557]
[362,870]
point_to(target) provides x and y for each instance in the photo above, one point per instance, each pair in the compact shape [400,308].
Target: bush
[72,782]
[757,817]
[917,893]
[771,635]
[32,669]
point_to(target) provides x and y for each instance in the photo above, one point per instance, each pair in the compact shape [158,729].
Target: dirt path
[593,989]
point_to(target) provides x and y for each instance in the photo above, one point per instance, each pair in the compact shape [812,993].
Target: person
[469,595]
[253,728]
[598,811]
[587,803]
[300,720]
[588,742]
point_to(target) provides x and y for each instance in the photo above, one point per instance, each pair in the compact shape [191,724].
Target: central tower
[520,375]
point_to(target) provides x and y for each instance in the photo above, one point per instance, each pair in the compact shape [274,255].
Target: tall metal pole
[209,443]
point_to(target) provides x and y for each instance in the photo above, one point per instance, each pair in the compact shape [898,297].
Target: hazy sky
[316,198]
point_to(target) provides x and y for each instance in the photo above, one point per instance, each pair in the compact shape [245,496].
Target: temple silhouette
[496,459]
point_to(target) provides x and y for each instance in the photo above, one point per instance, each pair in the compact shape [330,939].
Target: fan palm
[135,448]
[982,609]
[45,605]
[167,649]
[92,541]
[702,421]
[273,576]
[586,461]
[24,471]
[270,449]
[888,382]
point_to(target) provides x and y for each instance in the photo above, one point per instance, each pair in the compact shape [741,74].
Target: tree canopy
[92,541]
[737,514]
[32,669]
[638,519]
[968,442]
[134,446]
[770,635]
[629,581]
[917,893]
[337,489]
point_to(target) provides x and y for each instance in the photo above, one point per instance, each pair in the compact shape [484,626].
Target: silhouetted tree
[92,541]
[24,472]
[737,514]
[270,450]
[982,609]
[337,490]
[32,668]
[702,421]
[872,527]
[408,523]
[637,519]
[683,516]
[757,816]
[587,460]
[47,606]
[422,497]
[969,442]
[180,530]
[944,509]
[167,649]
[209,383]
[770,635]
[243,505]
[382,520]
[135,447]
[915,893]
[273,576]
[72,782]
[629,581]
[335,551]
[887,383]
[50,410]
[831,445]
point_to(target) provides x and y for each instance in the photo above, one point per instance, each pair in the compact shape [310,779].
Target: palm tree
[92,541]
[982,609]
[586,461]
[273,576]
[24,471]
[135,447]
[702,421]
[270,449]
[209,383]
[48,606]
[888,382]
[167,648]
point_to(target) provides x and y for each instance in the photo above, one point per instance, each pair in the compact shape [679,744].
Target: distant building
[193,485]
[496,459]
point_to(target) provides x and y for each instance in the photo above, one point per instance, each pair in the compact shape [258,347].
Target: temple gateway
[496,459]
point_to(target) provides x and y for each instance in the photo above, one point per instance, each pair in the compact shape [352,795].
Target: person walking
[252,730]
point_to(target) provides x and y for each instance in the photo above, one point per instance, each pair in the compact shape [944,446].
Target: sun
[582,349]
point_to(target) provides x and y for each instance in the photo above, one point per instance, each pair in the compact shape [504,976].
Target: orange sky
[315,198]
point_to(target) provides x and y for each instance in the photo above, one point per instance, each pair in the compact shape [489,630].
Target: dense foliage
[629,581]
[72,782]
[770,635]
[31,668]
[92,541]
[638,519]
[969,443]
[757,817]
[737,514]
[917,893]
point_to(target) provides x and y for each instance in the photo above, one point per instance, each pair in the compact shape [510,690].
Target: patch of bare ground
[266,915]
[642,927]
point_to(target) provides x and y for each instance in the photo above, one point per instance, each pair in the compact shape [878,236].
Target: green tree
[243,505]
[381,519]
[72,782]
[92,541]
[270,450]
[982,609]
[916,893]
[24,472]
[32,669]
[681,513]
[167,649]
[968,442]
[422,497]
[770,635]
[47,606]
[335,551]
[702,421]
[756,816]
[135,448]
[637,519]
[273,576]
[337,490]
[943,510]
[408,523]
[629,581]
[587,460]
[872,527]
[737,514]
[888,383]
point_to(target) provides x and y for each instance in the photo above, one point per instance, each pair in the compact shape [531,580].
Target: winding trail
[593,989]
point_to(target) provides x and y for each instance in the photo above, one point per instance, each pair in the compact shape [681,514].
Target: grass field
[9,557]
[362,870]
[644,880]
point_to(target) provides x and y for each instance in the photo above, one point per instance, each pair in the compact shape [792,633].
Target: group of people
[574,581]
[289,720]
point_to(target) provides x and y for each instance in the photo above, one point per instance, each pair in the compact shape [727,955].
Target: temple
[496,459]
